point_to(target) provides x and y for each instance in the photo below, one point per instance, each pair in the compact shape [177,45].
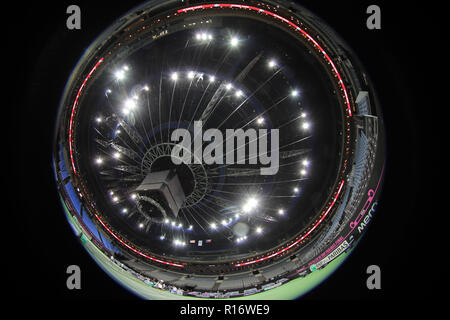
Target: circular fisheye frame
[219,150]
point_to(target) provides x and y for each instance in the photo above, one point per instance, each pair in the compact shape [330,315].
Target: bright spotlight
[174,76]
[120,74]
[305,125]
[146,88]
[213,226]
[303,172]
[130,103]
[281,212]
[133,196]
[99,160]
[124,210]
[272,63]
[141,225]
[212,79]
[249,205]
[305,162]
[99,119]
[234,41]
[191,74]
[294,93]
[259,230]
[228,86]
[239,93]
[260,120]
[296,190]
[116,155]
[115,199]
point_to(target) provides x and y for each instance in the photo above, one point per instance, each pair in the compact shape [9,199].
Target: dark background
[401,59]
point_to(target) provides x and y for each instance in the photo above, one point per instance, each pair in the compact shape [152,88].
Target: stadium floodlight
[130,103]
[249,205]
[99,160]
[234,41]
[174,76]
[272,63]
[280,212]
[294,93]
[306,125]
[120,74]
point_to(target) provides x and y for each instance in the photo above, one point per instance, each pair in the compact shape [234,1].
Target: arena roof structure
[218,228]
